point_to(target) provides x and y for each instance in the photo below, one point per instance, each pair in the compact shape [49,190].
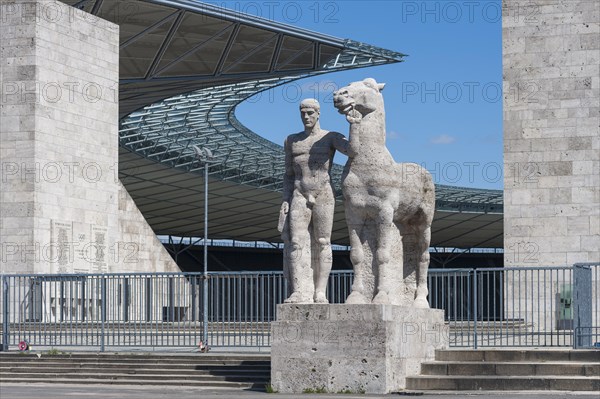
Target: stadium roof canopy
[185,66]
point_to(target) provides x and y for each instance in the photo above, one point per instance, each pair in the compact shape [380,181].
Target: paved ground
[56,391]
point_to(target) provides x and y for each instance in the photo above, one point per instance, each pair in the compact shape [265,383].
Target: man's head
[310,109]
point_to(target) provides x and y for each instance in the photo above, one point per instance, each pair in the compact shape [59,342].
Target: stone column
[62,207]
[551,59]
[59,138]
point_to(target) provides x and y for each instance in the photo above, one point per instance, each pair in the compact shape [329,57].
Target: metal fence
[520,306]
[491,307]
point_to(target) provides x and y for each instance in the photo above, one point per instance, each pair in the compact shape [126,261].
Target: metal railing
[491,307]
[519,306]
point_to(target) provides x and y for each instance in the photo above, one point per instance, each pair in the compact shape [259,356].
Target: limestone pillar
[62,207]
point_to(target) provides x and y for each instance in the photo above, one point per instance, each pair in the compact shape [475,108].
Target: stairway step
[141,370]
[511,368]
[182,366]
[516,355]
[139,358]
[118,363]
[203,370]
[191,383]
[134,376]
[524,383]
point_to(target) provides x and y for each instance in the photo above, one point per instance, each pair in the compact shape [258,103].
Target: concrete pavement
[61,391]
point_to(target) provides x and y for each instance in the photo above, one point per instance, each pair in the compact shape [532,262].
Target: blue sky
[444,104]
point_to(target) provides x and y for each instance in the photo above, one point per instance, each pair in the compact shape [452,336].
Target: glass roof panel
[197,30]
[135,60]
[132,16]
[251,51]
[295,54]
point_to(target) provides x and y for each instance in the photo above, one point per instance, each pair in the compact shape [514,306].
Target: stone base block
[352,348]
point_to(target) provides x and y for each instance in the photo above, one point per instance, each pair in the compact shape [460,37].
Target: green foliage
[269,388]
[315,390]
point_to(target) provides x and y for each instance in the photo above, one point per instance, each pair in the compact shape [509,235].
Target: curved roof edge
[167,131]
[184,67]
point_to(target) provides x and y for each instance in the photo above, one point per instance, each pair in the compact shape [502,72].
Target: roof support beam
[276,53]
[147,30]
[227,49]
[81,4]
[250,53]
[97,6]
[165,44]
[296,56]
[195,48]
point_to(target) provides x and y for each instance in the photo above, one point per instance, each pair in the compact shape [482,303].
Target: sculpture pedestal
[352,348]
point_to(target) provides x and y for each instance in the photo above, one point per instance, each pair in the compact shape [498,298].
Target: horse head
[359,99]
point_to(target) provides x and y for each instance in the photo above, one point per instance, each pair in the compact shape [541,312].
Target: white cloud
[393,135]
[442,139]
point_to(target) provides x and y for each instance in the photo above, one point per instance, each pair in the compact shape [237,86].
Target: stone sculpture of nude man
[306,216]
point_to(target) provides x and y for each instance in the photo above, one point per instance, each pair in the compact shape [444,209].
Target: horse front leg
[423,239]
[383,255]
[357,257]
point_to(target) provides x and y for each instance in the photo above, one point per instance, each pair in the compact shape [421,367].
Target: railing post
[63,300]
[102,311]
[5,307]
[582,306]
[126,299]
[205,308]
[171,293]
[475,307]
[149,299]
[83,299]
[194,299]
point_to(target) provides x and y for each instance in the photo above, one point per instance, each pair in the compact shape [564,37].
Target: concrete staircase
[232,371]
[509,370]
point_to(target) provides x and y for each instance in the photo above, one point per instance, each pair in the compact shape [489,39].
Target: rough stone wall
[62,207]
[551,59]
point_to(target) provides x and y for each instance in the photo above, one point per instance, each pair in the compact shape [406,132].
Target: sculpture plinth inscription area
[61,238]
[352,348]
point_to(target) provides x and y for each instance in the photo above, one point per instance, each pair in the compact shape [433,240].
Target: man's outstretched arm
[341,144]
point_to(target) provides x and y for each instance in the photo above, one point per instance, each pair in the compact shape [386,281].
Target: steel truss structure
[185,67]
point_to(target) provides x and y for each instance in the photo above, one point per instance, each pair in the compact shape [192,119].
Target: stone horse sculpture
[389,206]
